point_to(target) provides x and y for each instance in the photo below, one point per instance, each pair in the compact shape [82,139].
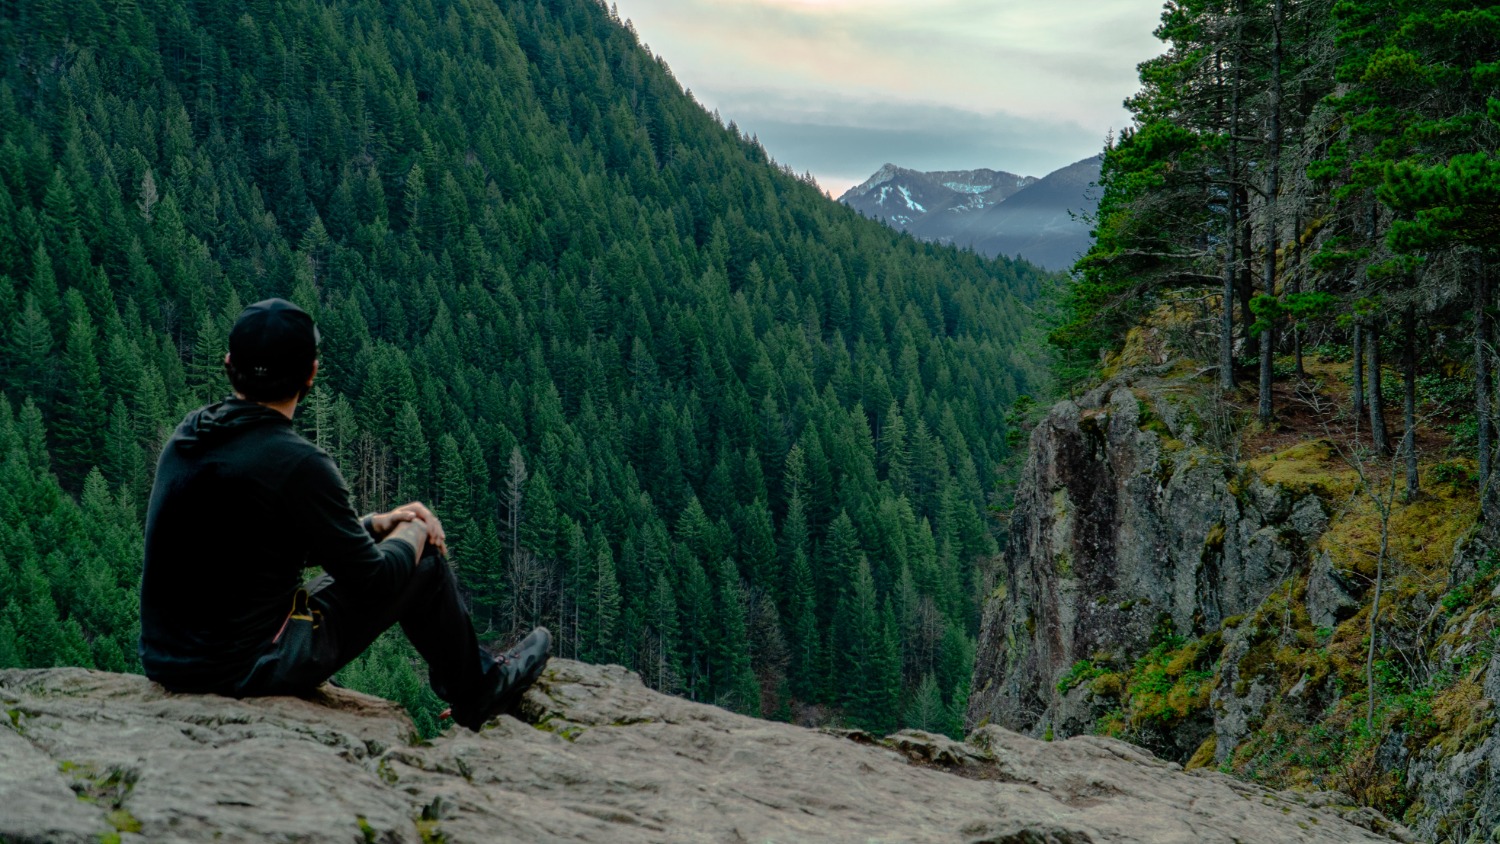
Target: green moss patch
[1312,466]
[123,821]
[1083,671]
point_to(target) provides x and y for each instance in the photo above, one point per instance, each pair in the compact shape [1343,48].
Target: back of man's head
[272,349]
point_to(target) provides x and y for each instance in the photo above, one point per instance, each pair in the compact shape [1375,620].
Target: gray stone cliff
[1132,522]
[1118,531]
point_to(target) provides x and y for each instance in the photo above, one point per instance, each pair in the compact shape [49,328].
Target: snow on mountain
[996,212]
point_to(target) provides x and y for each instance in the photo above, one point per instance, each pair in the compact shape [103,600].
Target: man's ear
[310,375]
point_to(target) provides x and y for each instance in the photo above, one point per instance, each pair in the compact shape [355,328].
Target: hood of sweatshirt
[213,423]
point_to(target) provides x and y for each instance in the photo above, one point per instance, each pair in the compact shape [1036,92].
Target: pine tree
[894,453]
[697,619]
[11,655]
[860,643]
[927,710]
[44,636]
[659,662]
[80,412]
[802,626]
[735,685]
[454,499]
[28,352]
[758,550]
[206,375]
[839,561]
[606,608]
[413,458]
[123,463]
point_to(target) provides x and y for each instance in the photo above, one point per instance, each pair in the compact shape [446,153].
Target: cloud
[825,81]
[843,140]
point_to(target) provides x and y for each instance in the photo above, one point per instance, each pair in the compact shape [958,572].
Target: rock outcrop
[1124,526]
[87,756]
[1216,609]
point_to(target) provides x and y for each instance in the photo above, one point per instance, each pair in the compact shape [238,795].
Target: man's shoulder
[305,460]
[276,454]
[281,441]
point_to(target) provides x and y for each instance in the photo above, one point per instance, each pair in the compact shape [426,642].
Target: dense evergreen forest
[1325,172]
[670,400]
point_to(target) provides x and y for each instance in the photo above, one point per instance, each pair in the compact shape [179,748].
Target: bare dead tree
[1376,482]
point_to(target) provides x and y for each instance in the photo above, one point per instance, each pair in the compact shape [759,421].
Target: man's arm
[413,532]
[380,525]
[318,498]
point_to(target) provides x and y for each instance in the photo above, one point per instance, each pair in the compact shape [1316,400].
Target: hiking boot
[519,668]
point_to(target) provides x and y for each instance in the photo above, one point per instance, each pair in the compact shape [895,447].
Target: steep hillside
[1261,534]
[668,398]
[1183,579]
[1046,223]
[602,759]
[996,213]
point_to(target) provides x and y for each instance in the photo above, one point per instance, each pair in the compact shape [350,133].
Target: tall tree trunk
[1266,411]
[1357,410]
[1376,399]
[1246,269]
[1273,186]
[1482,373]
[1409,400]
[1296,285]
[1231,259]
[1385,539]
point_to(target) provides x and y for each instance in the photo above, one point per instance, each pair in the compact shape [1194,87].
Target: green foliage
[1133,254]
[1083,671]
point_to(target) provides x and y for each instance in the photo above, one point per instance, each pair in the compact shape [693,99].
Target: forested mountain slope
[670,400]
[1262,535]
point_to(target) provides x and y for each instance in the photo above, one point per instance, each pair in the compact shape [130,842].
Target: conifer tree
[413,458]
[802,629]
[927,710]
[605,613]
[659,659]
[80,413]
[735,685]
[697,614]
[44,636]
[123,463]
[28,350]
[860,642]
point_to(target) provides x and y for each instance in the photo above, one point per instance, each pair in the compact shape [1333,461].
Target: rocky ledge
[88,756]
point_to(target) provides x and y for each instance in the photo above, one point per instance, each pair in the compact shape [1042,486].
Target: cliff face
[1124,530]
[88,756]
[1216,609]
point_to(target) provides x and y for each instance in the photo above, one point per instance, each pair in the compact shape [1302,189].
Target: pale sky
[840,87]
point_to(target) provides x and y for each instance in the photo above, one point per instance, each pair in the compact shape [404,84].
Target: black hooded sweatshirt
[241,505]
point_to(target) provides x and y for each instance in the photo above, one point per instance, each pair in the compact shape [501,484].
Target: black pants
[332,624]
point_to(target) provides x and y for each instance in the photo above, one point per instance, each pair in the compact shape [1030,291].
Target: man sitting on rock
[242,504]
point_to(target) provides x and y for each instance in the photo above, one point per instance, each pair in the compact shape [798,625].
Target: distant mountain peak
[995,212]
[886,173]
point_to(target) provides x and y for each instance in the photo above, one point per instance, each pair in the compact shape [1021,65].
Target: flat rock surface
[84,754]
